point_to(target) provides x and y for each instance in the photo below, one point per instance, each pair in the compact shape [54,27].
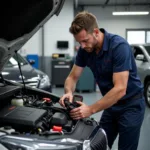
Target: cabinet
[60,71]
[86,81]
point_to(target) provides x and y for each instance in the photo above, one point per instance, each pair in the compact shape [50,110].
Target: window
[135,36]
[148,37]
[13,61]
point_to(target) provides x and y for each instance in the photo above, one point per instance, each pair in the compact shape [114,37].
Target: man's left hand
[83,111]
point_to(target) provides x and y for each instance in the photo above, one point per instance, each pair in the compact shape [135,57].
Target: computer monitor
[62,44]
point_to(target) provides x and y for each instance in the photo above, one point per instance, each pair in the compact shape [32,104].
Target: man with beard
[111,60]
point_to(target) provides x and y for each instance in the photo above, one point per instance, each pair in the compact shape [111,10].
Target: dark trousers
[125,120]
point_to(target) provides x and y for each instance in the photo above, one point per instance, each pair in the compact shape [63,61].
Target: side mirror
[140,57]
[31,61]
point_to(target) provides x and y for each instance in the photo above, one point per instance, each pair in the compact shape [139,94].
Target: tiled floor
[89,98]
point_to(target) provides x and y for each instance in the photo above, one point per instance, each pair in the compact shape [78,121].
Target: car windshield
[13,61]
[147,49]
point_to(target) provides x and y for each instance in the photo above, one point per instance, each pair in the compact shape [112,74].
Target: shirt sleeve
[122,58]
[80,58]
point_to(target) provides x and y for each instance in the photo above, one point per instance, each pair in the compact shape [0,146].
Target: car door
[141,62]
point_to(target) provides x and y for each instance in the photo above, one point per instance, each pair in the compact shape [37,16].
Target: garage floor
[89,98]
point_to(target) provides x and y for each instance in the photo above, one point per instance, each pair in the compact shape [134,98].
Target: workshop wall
[57,29]
[34,45]
[119,24]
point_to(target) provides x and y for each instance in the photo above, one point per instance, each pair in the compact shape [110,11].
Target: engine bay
[28,115]
[36,117]
[35,114]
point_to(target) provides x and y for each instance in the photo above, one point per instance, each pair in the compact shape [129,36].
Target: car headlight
[44,82]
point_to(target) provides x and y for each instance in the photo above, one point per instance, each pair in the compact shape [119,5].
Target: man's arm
[120,81]
[72,79]
[70,84]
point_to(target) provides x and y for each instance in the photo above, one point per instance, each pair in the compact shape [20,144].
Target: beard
[91,48]
[88,49]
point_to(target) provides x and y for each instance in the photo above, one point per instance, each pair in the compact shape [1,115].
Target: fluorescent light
[131,13]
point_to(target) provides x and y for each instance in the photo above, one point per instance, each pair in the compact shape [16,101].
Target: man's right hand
[68,96]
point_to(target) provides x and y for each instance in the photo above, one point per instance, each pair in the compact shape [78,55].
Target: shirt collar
[105,42]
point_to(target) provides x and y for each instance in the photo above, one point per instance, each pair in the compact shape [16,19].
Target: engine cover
[20,117]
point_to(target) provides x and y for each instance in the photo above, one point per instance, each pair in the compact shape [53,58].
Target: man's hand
[81,112]
[68,96]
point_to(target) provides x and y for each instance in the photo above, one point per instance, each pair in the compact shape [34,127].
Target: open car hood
[20,20]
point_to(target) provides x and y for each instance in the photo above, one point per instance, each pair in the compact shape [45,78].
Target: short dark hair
[83,20]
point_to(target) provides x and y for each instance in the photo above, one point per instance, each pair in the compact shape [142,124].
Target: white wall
[57,28]
[118,24]
[33,46]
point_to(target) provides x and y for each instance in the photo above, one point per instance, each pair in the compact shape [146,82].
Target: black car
[31,76]
[29,118]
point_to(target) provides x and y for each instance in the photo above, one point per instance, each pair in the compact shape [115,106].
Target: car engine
[34,113]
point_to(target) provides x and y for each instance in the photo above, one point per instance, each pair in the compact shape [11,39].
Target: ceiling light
[131,13]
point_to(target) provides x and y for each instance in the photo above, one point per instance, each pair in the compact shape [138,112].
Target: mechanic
[111,60]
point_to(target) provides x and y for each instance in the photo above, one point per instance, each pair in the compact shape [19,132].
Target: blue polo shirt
[115,56]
